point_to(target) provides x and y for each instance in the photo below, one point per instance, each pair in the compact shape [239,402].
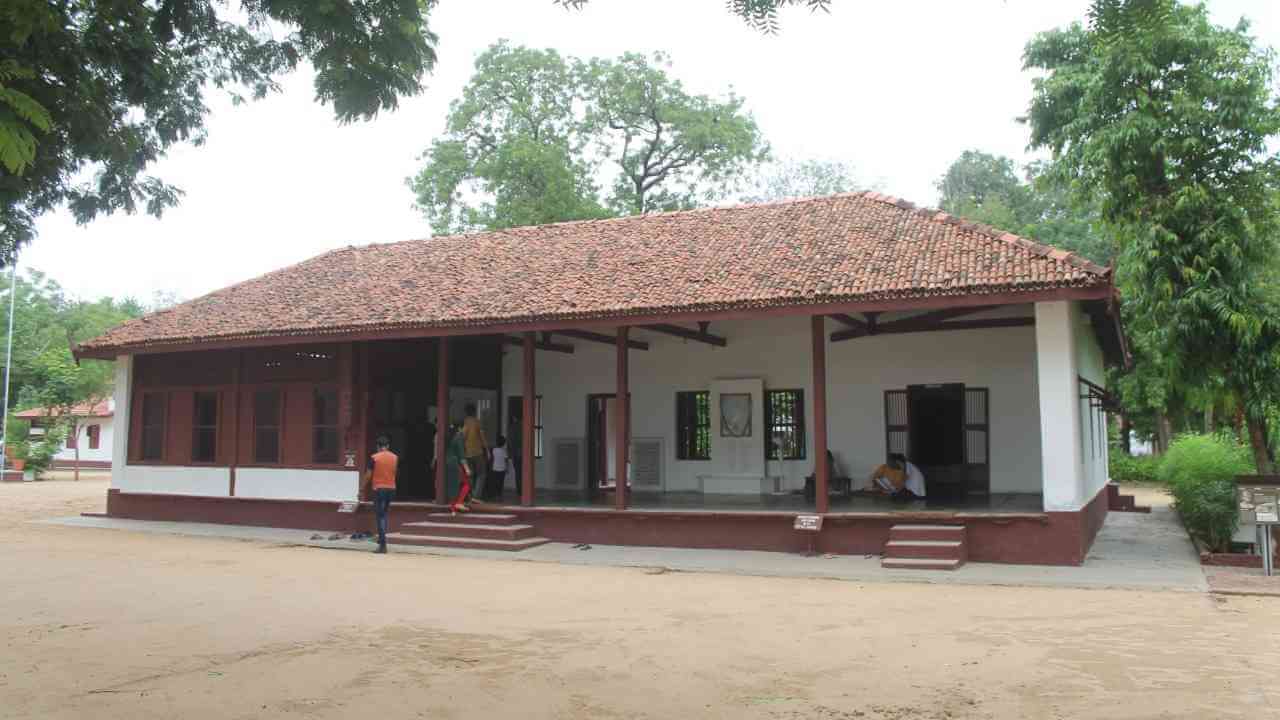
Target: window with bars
[95,436]
[784,421]
[324,426]
[204,428]
[267,405]
[693,425]
[155,406]
[515,413]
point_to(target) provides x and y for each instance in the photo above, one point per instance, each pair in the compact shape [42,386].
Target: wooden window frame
[279,426]
[799,427]
[688,425]
[72,440]
[335,427]
[142,425]
[196,427]
[94,433]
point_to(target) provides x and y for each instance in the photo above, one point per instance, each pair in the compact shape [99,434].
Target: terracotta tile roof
[844,248]
[99,409]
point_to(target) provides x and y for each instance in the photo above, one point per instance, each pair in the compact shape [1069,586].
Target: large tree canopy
[536,136]
[988,189]
[801,178]
[1164,119]
[92,92]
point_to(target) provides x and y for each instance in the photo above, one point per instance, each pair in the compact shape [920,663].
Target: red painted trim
[821,469]
[726,311]
[1053,538]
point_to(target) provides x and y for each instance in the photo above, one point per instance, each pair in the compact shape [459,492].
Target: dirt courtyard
[117,624]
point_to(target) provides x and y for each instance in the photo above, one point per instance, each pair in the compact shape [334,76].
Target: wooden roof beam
[916,323]
[601,338]
[699,335]
[544,344]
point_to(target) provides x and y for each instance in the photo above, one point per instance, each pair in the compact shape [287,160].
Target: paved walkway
[1133,551]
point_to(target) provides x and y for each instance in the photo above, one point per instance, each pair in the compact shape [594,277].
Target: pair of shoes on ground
[582,546]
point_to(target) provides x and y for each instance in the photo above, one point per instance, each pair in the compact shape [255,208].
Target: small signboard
[809,523]
[1258,504]
[347,507]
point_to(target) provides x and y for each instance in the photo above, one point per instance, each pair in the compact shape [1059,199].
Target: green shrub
[1133,468]
[1200,471]
[39,452]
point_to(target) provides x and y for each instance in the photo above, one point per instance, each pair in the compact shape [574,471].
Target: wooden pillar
[621,428]
[442,414]
[821,469]
[236,402]
[527,449]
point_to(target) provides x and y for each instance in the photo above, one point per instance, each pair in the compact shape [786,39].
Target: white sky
[899,88]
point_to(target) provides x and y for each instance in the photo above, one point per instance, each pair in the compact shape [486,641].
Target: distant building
[93,434]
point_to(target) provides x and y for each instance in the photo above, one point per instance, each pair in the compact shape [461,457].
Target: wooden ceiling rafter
[702,334]
[602,338]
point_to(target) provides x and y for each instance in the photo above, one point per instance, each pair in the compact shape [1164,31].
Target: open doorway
[936,438]
[602,442]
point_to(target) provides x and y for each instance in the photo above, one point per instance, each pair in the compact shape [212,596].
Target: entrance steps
[475,531]
[1122,503]
[925,547]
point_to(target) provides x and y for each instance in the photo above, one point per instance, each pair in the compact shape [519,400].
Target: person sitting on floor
[898,478]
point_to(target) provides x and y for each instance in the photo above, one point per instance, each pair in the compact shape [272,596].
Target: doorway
[936,437]
[602,443]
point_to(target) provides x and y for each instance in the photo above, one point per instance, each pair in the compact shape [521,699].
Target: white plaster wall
[173,480]
[105,439]
[1060,436]
[777,350]
[120,441]
[297,484]
[1091,366]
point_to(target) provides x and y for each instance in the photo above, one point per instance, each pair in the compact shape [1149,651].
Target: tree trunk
[1258,443]
[75,429]
[1164,433]
[1126,428]
[1208,420]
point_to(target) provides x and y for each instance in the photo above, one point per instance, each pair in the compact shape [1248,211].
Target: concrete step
[920,564]
[926,549]
[474,518]
[927,532]
[471,530]
[465,542]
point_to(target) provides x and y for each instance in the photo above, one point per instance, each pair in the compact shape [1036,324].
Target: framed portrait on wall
[735,415]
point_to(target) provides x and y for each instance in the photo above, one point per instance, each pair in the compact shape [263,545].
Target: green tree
[532,132]
[61,385]
[92,93]
[1164,118]
[513,152]
[800,178]
[987,188]
[673,150]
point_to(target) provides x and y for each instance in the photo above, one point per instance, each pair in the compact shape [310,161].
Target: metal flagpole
[8,362]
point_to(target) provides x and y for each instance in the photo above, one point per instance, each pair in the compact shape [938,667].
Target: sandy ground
[115,624]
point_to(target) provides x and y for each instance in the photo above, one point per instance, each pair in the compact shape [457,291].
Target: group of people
[473,470]
[899,479]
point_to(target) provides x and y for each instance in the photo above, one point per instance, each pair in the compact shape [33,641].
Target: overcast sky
[899,89]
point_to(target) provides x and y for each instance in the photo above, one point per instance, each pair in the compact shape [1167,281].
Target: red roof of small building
[849,248]
[98,409]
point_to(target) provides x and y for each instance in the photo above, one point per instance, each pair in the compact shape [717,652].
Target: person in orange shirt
[382,478]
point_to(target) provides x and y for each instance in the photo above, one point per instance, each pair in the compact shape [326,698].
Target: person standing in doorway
[515,443]
[498,471]
[459,475]
[382,477]
[476,447]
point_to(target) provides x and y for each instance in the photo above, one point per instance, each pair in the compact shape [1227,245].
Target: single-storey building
[709,357]
[91,442]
